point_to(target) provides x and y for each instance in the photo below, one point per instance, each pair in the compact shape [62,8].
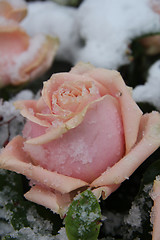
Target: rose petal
[155,214]
[24,58]
[57,202]
[15,159]
[149,141]
[113,82]
[58,79]
[16,11]
[28,109]
[34,63]
[105,191]
[54,133]
[85,151]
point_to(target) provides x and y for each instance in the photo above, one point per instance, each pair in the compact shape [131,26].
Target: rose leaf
[83,217]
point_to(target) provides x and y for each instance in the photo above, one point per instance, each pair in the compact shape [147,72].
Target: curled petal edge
[149,141]
[13,158]
[113,82]
[54,133]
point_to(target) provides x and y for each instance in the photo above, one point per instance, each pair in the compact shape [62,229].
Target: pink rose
[22,58]
[84,131]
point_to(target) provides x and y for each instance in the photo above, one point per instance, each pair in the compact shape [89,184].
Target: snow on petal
[15,159]
[36,60]
[23,58]
[148,142]
[11,9]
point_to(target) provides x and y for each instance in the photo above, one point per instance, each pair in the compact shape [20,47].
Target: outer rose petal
[15,159]
[29,109]
[155,215]
[55,201]
[42,58]
[149,141]
[113,82]
[23,58]
[59,202]
[16,11]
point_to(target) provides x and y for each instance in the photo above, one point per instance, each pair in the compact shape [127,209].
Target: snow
[52,19]
[149,92]
[11,122]
[98,32]
[134,217]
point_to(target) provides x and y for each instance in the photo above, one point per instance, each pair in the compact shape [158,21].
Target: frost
[79,151]
[134,217]
[5,228]
[27,233]
[37,222]
[11,122]
[62,235]
[112,222]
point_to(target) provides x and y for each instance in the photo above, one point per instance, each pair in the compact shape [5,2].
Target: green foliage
[83,217]
[25,220]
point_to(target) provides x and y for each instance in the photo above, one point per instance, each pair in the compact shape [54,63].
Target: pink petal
[55,201]
[155,215]
[149,141]
[15,12]
[58,79]
[105,191]
[131,114]
[87,150]
[15,159]
[113,83]
[29,109]
[23,58]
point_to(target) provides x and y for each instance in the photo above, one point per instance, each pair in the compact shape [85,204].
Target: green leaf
[22,217]
[83,217]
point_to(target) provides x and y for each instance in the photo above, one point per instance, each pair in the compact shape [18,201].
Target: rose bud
[85,131]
